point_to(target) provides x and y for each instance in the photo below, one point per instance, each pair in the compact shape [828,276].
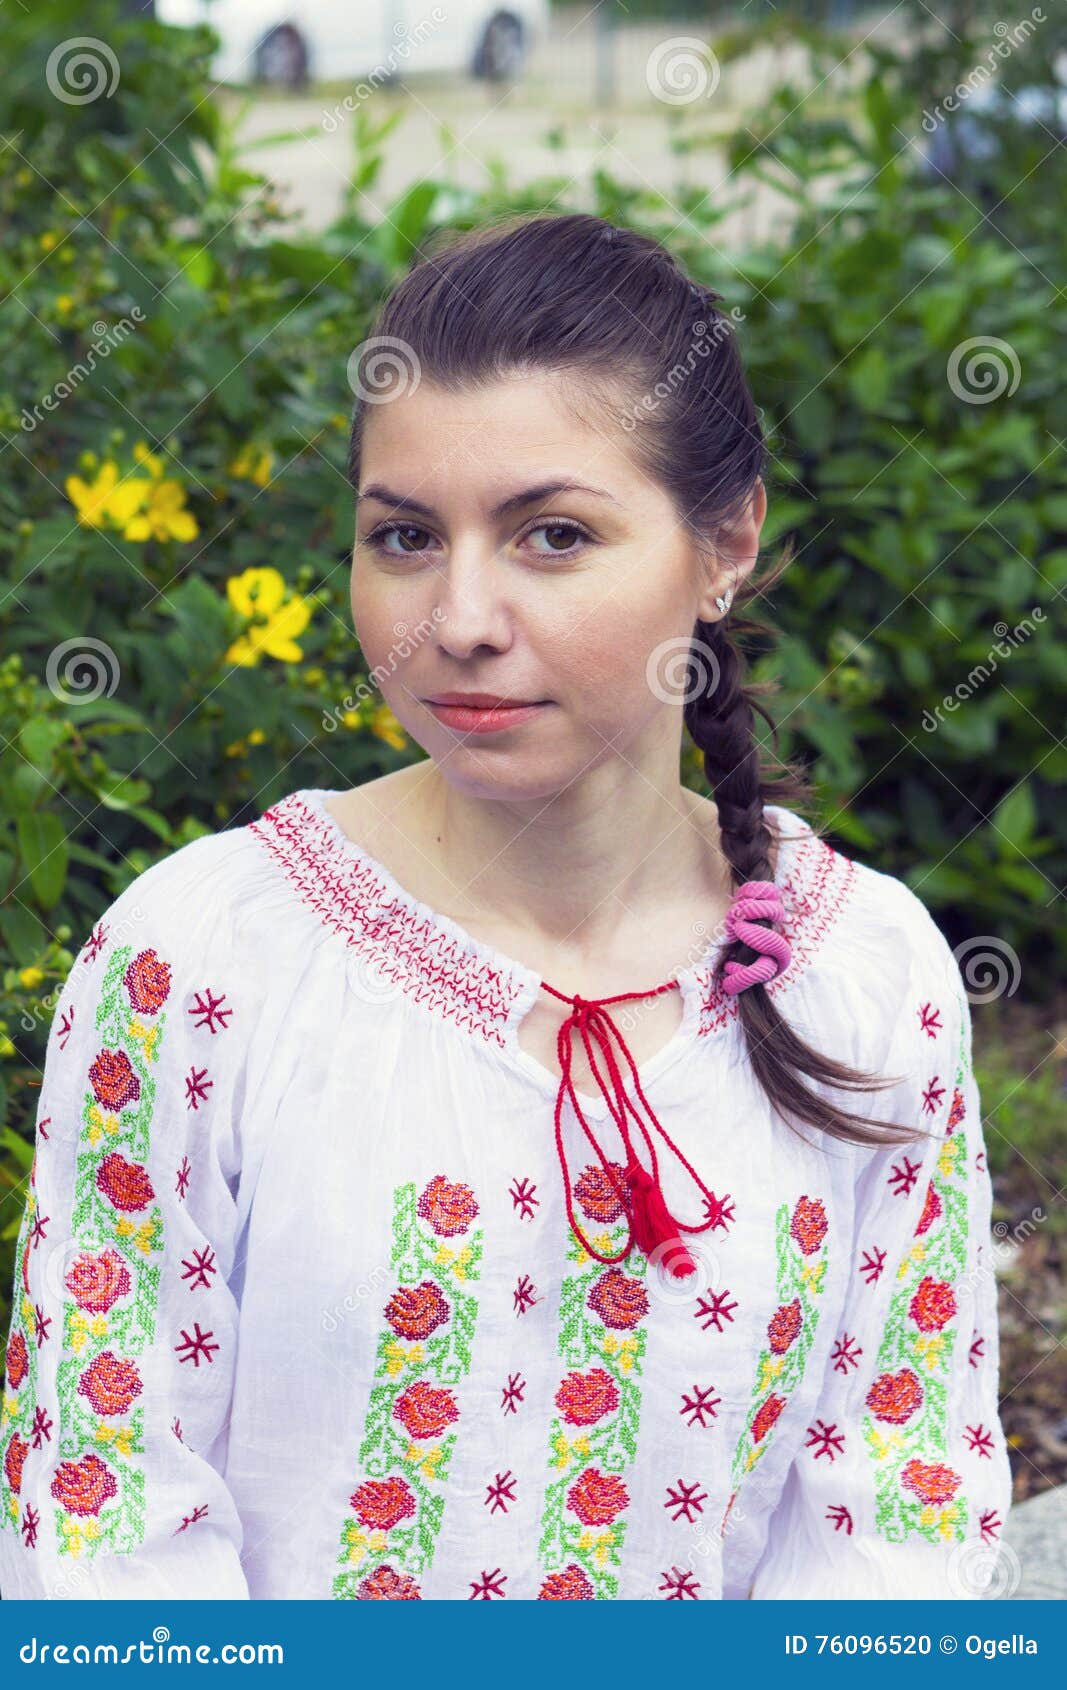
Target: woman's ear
[735,552]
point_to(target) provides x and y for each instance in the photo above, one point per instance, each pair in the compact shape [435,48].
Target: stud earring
[724,603]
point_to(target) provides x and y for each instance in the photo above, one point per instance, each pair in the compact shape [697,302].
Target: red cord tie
[651,1226]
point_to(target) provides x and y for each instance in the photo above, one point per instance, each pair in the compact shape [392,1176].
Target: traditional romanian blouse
[298,1311]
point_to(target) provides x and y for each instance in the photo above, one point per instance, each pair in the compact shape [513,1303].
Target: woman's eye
[561,537]
[404,532]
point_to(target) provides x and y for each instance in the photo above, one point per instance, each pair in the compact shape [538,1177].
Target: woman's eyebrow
[547,490]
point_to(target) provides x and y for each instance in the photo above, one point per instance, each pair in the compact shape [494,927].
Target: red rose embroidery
[931,1481]
[956,1112]
[125,1184]
[385,1584]
[597,1497]
[424,1410]
[895,1396]
[82,1487]
[97,1282]
[573,1584]
[14,1456]
[933,1305]
[114,1081]
[414,1311]
[784,1325]
[382,1503]
[596,1193]
[619,1300]
[17,1361]
[585,1398]
[148,982]
[931,1210]
[110,1383]
[808,1225]
[765,1416]
[448,1208]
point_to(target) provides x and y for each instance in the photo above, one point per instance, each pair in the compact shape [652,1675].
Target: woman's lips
[481,720]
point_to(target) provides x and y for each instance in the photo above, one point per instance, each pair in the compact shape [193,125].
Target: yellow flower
[812,1272]
[398,1356]
[624,1348]
[163,516]
[64,304]
[31,977]
[946,1161]
[253,463]
[427,1460]
[930,1345]
[274,620]
[350,718]
[257,737]
[601,1241]
[48,240]
[151,461]
[385,725]
[105,498]
[772,1366]
[566,1452]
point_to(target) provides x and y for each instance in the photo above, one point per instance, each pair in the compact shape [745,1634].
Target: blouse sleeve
[120,1359]
[901,1483]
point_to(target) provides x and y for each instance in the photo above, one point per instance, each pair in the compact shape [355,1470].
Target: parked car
[289,43]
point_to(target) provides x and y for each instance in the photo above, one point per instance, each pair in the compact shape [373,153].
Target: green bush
[176,528]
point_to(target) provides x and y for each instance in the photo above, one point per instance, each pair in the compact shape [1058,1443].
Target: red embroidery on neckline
[468,982]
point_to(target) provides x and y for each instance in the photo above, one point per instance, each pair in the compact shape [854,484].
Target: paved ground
[551,124]
[1036,1533]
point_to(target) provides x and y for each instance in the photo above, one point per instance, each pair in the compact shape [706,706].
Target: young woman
[518,1177]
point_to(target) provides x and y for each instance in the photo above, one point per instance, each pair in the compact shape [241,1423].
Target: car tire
[501,52]
[281,59]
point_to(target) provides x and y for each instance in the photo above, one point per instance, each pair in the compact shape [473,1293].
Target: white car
[292,42]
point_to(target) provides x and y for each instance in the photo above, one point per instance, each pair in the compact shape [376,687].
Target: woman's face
[472,573]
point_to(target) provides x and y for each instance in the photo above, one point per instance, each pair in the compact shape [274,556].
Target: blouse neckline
[475,985]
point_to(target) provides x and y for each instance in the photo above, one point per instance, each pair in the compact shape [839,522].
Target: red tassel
[653,1224]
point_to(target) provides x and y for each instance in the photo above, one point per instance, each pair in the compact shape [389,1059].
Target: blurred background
[202,205]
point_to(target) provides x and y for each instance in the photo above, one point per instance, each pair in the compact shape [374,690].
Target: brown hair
[576,295]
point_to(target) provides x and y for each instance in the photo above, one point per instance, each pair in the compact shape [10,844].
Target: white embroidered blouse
[298,1311]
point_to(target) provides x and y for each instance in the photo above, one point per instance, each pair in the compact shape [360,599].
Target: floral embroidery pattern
[410,1430]
[593,1436]
[905,1428]
[801,1272]
[108,1319]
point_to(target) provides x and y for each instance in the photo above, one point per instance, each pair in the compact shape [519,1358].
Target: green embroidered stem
[102,1489]
[408,1433]
[801,1273]
[905,1429]
[603,1339]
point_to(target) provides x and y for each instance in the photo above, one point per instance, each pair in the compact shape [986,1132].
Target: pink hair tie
[756,900]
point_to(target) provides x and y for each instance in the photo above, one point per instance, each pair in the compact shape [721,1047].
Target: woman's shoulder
[867,950]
